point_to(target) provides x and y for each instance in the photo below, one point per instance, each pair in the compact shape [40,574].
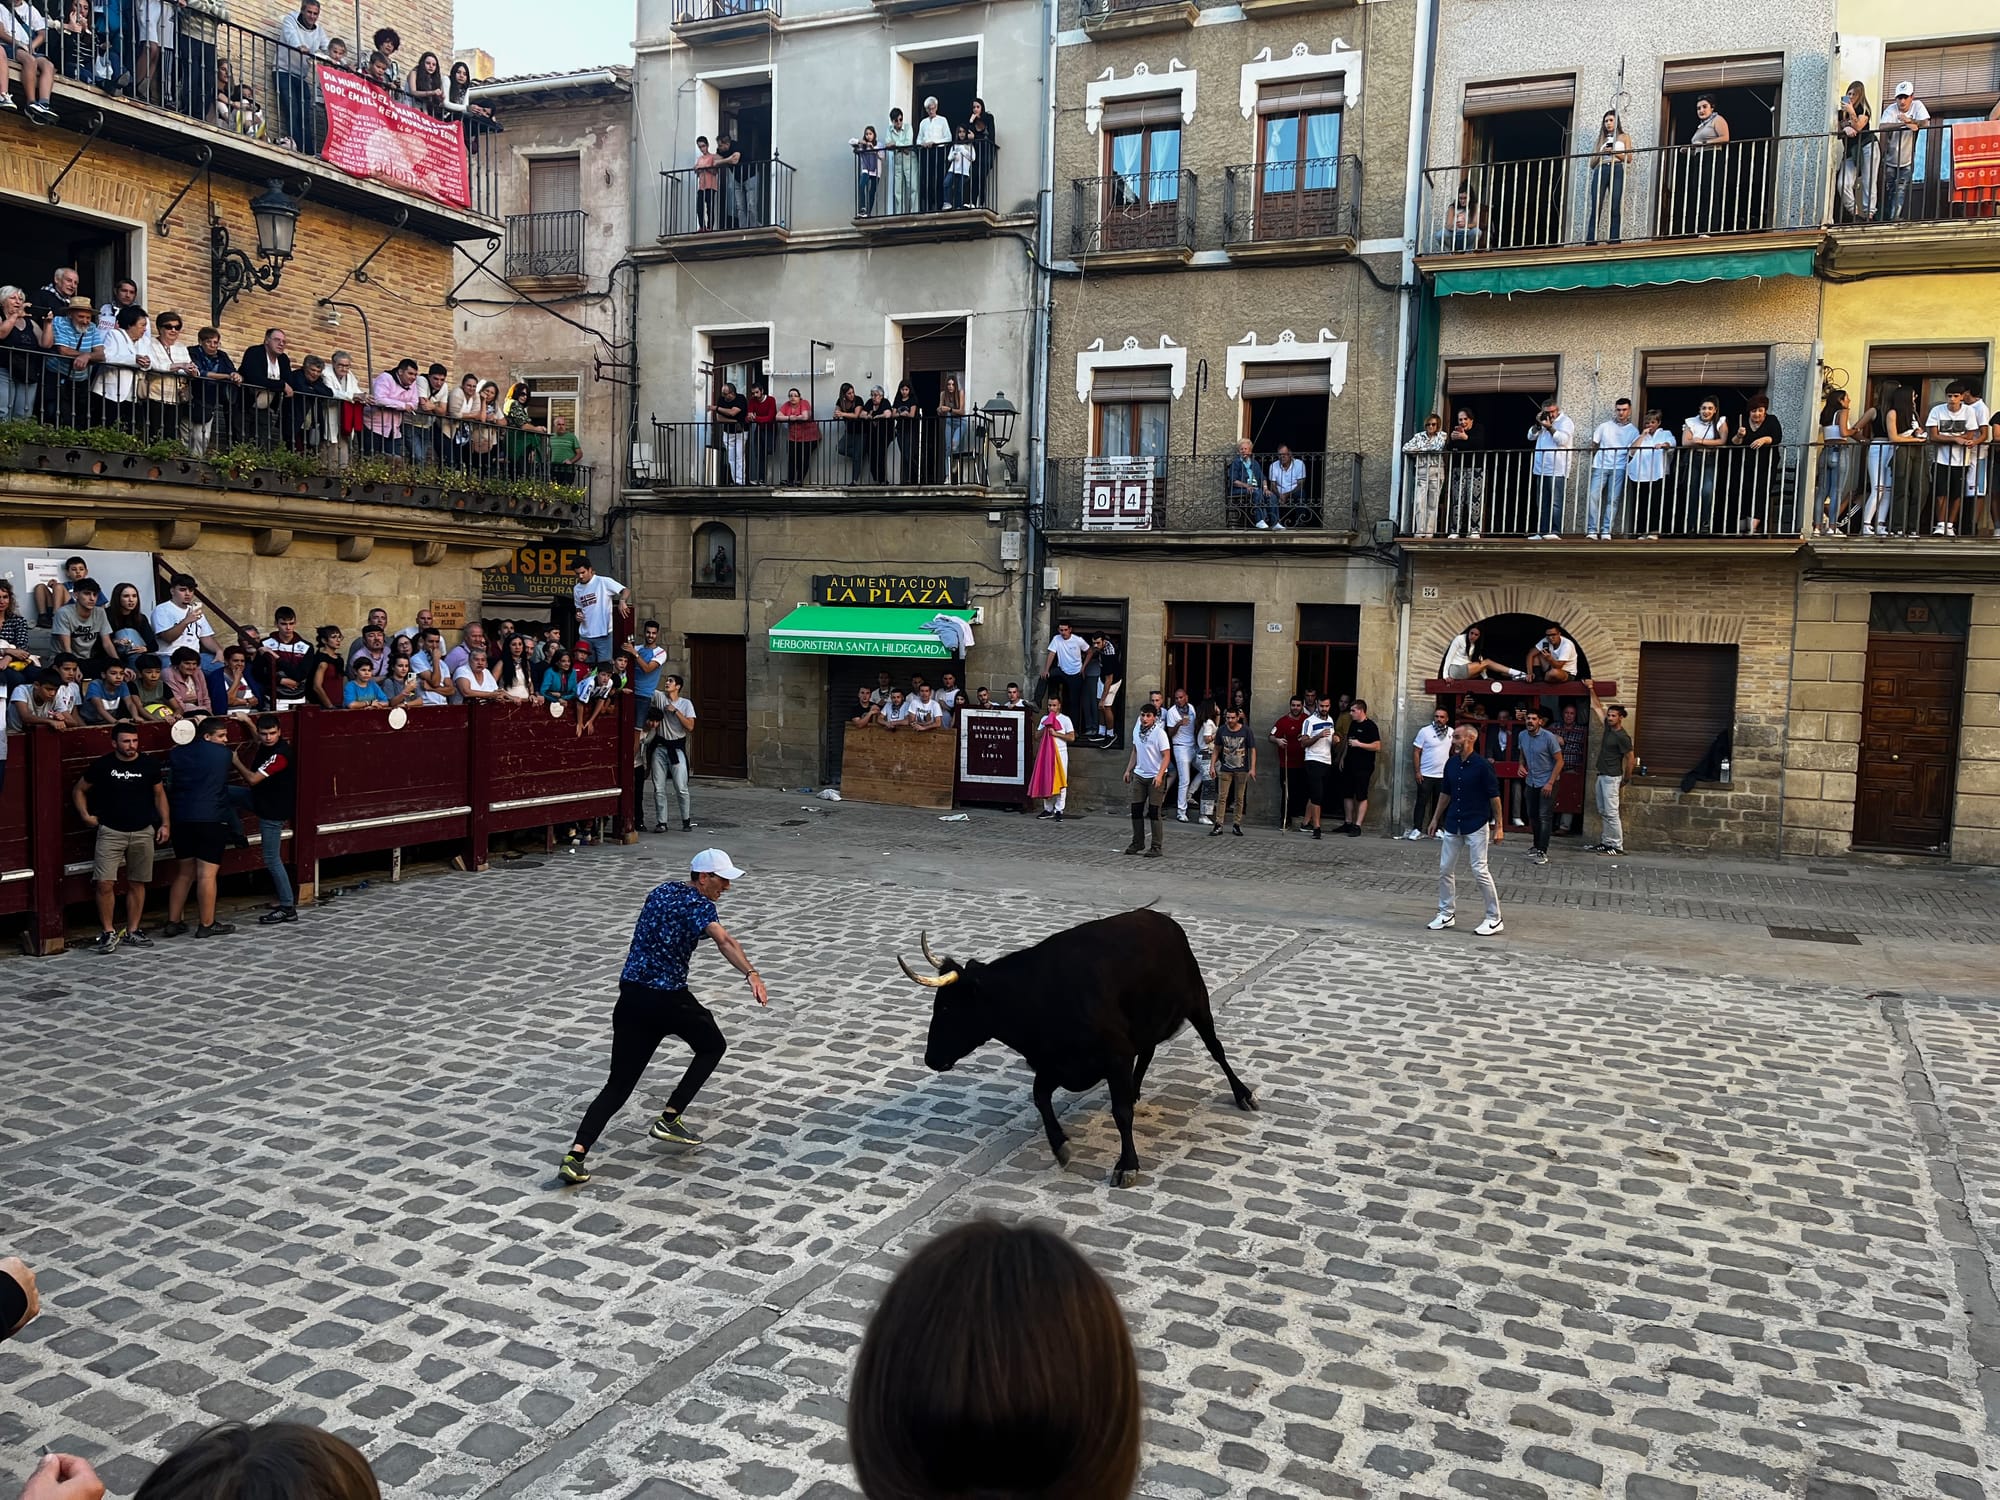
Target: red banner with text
[371,133]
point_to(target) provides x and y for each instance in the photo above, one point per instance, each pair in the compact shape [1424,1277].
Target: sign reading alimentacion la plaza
[892,590]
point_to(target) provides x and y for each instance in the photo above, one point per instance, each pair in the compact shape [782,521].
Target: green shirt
[564,448]
[1612,748]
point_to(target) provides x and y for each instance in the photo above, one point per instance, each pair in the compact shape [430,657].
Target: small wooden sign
[448,614]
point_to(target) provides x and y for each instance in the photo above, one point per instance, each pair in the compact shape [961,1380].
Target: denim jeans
[1607,489]
[1548,517]
[1829,484]
[1475,846]
[1608,788]
[17,397]
[1541,813]
[670,770]
[1895,188]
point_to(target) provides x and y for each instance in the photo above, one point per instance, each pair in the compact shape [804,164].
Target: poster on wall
[24,567]
[370,133]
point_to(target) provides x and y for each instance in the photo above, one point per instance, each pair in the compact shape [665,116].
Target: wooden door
[715,681]
[1909,743]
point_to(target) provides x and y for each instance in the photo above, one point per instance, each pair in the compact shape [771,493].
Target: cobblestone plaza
[1535,1218]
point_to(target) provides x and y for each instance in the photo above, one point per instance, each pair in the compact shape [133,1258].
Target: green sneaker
[669,1128]
[573,1169]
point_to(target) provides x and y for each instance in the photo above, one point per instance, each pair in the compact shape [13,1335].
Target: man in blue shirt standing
[198,802]
[1467,817]
[654,1004]
[1541,764]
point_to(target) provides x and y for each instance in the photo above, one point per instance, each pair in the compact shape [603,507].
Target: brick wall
[424,25]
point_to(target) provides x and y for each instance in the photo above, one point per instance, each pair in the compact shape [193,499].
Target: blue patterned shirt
[674,919]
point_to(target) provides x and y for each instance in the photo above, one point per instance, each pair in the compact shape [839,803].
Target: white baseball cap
[1905,87]
[714,862]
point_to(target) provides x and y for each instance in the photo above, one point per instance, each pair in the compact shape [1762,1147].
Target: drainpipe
[1402,785]
[1418,155]
[1038,353]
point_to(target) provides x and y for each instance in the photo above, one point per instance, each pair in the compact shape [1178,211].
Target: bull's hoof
[1246,1101]
[1125,1177]
[1062,1154]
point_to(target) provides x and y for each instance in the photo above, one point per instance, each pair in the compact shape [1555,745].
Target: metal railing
[1315,198]
[225,77]
[1207,492]
[709,200]
[546,244]
[893,181]
[1749,186]
[1128,211]
[313,439]
[832,453]
[1870,188]
[1098,10]
[693,12]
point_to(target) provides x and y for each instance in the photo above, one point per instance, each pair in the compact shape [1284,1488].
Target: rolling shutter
[1312,378]
[1519,94]
[1130,114]
[1533,374]
[1962,78]
[1686,367]
[1687,696]
[937,348]
[1297,94]
[1146,383]
[739,348]
[554,184]
[1928,359]
[1722,73]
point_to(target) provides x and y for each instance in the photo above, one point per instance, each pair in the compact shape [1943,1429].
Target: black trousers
[1541,812]
[644,1018]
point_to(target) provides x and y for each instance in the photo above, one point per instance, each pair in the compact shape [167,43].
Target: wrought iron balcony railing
[546,245]
[751,195]
[1321,492]
[1133,212]
[1311,199]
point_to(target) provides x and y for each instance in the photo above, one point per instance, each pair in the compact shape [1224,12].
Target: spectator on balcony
[852,443]
[159,35]
[231,687]
[933,144]
[25,32]
[125,294]
[958,444]
[420,428]
[217,392]
[565,452]
[301,39]
[464,409]
[907,424]
[1705,176]
[731,418]
[985,151]
[1853,127]
[707,185]
[762,413]
[168,368]
[344,401]
[426,86]
[1608,161]
[958,170]
[1612,443]
[1464,477]
[458,101]
[77,343]
[1758,468]
[82,626]
[1953,435]
[393,393]
[55,294]
[1460,230]
[1246,491]
[729,178]
[801,437]
[1646,477]
[902,165]
[266,371]
[867,171]
[387,45]
[1901,123]
[25,338]
[1978,468]
[116,381]
[307,405]
[1708,431]
[240,112]
[379,71]
[76,44]
[1554,436]
[1287,474]
[1836,434]
[1426,475]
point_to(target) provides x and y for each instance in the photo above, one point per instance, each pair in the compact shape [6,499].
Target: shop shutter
[1520,94]
[1722,73]
[1961,78]
[1146,383]
[1687,696]
[1312,378]
[1533,374]
[1153,109]
[1928,359]
[1296,94]
[1689,367]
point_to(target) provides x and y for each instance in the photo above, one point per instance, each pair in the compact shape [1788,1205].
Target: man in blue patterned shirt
[654,1004]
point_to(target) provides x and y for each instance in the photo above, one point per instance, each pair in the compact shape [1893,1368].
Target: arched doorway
[1508,638]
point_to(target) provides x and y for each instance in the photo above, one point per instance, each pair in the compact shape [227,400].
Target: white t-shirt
[1899,146]
[1649,458]
[1069,653]
[420,663]
[921,712]
[897,713]
[1564,652]
[948,699]
[1322,751]
[482,683]
[69,698]
[1944,420]
[1458,656]
[1612,439]
[671,728]
[1433,749]
[593,604]
[173,629]
[1179,724]
[1150,749]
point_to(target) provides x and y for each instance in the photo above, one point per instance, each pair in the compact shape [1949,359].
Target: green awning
[845,630]
[1659,270]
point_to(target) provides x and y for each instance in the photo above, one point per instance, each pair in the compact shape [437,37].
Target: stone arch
[1611,653]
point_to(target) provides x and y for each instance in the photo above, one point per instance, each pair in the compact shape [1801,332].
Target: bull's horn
[924,942]
[928,983]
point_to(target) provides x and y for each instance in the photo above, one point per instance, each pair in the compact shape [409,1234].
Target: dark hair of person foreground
[998,1365]
[277,1461]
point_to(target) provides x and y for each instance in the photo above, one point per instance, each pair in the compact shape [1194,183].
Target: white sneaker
[1938,530]
[1277,525]
[1534,536]
[1473,534]
[1950,530]
[1490,927]
[1414,834]
[1519,824]
[1181,815]
[1263,526]
[1442,920]
[1552,536]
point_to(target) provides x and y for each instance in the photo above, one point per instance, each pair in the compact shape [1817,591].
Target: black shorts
[1356,780]
[1319,782]
[206,842]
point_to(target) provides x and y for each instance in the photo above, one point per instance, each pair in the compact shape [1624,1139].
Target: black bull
[1084,1007]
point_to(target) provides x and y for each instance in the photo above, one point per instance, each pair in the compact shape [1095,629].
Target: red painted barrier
[451,774]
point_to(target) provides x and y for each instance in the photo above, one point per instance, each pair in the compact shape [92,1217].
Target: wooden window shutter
[1689,367]
[934,347]
[739,348]
[1310,378]
[1518,94]
[1959,78]
[1722,73]
[1687,697]
[554,184]
[1146,383]
[1299,94]
[1533,374]
[1928,359]
[1153,109]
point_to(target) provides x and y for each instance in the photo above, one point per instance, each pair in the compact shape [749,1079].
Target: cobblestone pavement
[1502,1229]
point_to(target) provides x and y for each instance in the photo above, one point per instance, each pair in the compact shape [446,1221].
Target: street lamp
[1000,415]
[233,271]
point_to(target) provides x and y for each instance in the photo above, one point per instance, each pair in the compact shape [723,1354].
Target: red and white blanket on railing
[1975,162]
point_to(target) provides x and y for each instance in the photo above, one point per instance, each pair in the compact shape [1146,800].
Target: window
[714,561]
[1926,369]
[1687,707]
[1145,164]
[1131,408]
[1516,177]
[1677,381]
[1329,641]
[1299,135]
[738,356]
[1208,650]
[1503,395]
[554,396]
[554,184]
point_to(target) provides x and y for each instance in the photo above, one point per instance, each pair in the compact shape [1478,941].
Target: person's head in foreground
[997,1365]
[277,1461]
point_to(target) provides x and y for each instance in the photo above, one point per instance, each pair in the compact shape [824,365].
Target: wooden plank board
[898,766]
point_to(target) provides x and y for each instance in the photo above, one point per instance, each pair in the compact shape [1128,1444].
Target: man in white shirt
[1554,657]
[1896,127]
[1428,753]
[1553,435]
[1977,470]
[1287,474]
[1063,671]
[926,713]
[1954,434]
[896,712]
[933,141]
[674,715]
[416,632]
[1320,735]
[180,621]
[1613,439]
[472,683]
[1147,761]
[593,595]
[1179,724]
[428,663]
[949,698]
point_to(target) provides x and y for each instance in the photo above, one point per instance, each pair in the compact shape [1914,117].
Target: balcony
[1141,498]
[910,193]
[1941,213]
[710,212]
[828,459]
[132,426]
[1761,200]
[717,21]
[1703,499]
[111,85]
[1292,210]
[1133,218]
[1138,17]
[546,248]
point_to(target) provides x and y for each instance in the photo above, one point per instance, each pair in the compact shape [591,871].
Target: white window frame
[1143,83]
[1129,355]
[1287,350]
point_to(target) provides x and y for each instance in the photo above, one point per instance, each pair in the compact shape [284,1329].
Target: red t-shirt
[1291,754]
[763,409]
